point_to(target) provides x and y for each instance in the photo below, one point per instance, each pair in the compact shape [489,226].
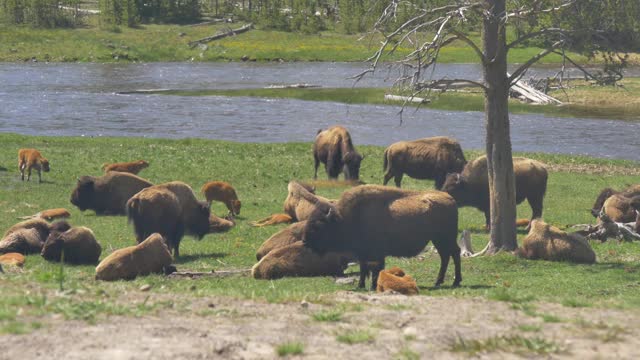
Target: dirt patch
[394,326]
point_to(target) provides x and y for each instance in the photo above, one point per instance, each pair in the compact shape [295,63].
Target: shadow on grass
[451,287]
[191,257]
[2,168]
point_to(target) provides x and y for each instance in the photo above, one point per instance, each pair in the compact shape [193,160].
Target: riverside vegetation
[43,288]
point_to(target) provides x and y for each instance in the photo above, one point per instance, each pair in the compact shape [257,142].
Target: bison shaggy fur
[107,194]
[471,187]
[26,237]
[150,256]
[395,279]
[78,244]
[428,158]
[170,209]
[333,147]
[547,242]
[301,201]
[373,222]
[287,236]
[297,260]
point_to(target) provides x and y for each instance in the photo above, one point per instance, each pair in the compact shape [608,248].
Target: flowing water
[81,99]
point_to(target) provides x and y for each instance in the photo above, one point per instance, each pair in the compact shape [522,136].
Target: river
[81,99]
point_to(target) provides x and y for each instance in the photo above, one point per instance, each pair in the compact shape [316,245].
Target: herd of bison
[365,225]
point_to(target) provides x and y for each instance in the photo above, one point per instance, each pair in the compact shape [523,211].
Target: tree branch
[523,14]
[473,45]
[520,70]
[537,33]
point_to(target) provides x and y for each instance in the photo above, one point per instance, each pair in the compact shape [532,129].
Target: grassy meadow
[260,173]
[581,99]
[149,43]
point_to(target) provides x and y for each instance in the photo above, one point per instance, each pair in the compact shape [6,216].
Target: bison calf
[32,159]
[395,279]
[373,222]
[471,187]
[223,192]
[428,158]
[333,147]
[133,167]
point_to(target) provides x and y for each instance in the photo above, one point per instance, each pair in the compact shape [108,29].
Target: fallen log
[411,99]
[608,228]
[212,273]
[231,32]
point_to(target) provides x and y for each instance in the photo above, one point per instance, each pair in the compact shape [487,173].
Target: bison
[77,245]
[287,236]
[170,209]
[224,192]
[334,148]
[395,279]
[297,260]
[471,187]
[132,167]
[373,222]
[606,194]
[107,194]
[29,159]
[550,243]
[25,237]
[150,256]
[50,214]
[428,158]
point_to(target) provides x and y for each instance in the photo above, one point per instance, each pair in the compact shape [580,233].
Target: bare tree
[432,28]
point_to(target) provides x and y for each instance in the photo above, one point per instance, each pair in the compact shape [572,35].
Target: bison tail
[385,163]
[133,210]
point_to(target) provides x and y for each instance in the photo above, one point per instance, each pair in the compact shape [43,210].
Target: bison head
[45,165]
[235,206]
[351,162]
[82,195]
[321,233]
[143,164]
[454,185]
[604,195]
[200,220]
[52,248]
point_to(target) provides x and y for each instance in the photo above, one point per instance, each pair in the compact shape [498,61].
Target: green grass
[260,173]
[513,344]
[584,101]
[149,43]
[355,337]
[328,316]
[291,348]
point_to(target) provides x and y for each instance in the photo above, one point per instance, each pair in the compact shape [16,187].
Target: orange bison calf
[133,167]
[32,159]
[396,280]
[223,192]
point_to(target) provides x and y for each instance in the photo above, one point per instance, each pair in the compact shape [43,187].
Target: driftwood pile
[607,228]
[230,32]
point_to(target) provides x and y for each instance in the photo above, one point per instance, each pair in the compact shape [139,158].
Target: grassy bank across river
[260,173]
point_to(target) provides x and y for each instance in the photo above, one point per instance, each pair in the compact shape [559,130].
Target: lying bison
[170,209]
[373,222]
[547,242]
[298,260]
[334,148]
[107,194]
[149,257]
[617,209]
[77,245]
[428,158]
[26,237]
[471,187]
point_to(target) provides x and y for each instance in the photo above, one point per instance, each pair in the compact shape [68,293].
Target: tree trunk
[498,143]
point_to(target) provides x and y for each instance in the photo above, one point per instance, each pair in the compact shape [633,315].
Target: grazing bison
[550,243]
[373,222]
[334,148]
[428,158]
[605,194]
[78,244]
[107,194]
[471,187]
[223,192]
[32,159]
[150,256]
[132,167]
[297,260]
[395,279]
[170,209]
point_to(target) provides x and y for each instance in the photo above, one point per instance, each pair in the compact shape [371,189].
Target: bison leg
[444,263]
[28,174]
[456,262]
[387,177]
[364,272]
[316,163]
[39,176]
[536,208]
[22,166]
[398,180]
[375,271]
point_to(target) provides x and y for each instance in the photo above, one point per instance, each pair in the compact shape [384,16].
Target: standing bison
[428,158]
[170,209]
[107,194]
[333,147]
[373,222]
[471,187]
